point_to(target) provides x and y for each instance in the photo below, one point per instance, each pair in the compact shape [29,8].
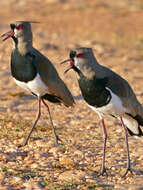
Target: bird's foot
[19,146]
[22,145]
[57,139]
[103,172]
[127,170]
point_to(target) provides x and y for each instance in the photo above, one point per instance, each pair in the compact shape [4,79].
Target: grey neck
[23,45]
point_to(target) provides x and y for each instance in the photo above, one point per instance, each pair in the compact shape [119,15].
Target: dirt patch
[114,30]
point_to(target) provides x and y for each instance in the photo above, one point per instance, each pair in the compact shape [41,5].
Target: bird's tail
[133,124]
[52,98]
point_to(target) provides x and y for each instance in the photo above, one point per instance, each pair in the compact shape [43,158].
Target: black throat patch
[23,66]
[94,91]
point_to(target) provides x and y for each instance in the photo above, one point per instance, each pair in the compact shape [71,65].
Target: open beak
[7,35]
[71,64]
[69,68]
[65,61]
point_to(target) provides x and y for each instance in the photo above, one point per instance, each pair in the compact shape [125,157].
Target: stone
[72,175]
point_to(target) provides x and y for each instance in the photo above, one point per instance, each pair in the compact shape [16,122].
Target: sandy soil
[114,30]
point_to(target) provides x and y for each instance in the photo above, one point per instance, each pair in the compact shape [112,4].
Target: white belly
[114,107]
[36,86]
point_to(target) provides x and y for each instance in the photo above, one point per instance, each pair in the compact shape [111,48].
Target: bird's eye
[19,27]
[80,55]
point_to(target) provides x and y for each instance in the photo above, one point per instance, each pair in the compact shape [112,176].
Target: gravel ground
[114,30]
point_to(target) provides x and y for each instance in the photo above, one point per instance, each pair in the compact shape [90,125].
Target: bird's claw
[56,140]
[103,172]
[126,172]
[22,145]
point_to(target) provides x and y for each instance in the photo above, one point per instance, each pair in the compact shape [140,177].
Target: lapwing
[34,72]
[107,93]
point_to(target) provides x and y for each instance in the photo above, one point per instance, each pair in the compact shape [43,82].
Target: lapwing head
[79,58]
[20,30]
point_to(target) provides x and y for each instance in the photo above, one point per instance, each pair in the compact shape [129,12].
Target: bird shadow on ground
[137,171]
[11,156]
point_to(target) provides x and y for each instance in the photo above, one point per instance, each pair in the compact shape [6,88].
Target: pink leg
[103,169]
[35,122]
[53,127]
[127,145]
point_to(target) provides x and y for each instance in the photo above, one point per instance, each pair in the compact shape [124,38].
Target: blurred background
[114,29]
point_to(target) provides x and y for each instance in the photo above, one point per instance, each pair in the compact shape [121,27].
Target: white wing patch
[36,86]
[114,107]
[131,124]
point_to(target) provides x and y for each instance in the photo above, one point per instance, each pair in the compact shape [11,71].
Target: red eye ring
[80,55]
[19,27]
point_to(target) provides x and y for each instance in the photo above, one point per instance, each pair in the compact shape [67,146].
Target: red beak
[71,64]
[70,67]
[7,35]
